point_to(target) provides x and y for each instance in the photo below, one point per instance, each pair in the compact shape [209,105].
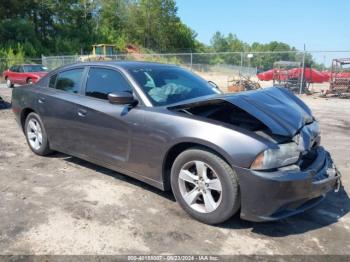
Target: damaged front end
[295,153]
[294,172]
[274,114]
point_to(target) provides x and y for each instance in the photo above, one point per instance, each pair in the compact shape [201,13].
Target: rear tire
[36,135]
[205,186]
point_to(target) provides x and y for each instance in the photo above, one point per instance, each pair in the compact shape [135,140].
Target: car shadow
[77,161]
[329,211]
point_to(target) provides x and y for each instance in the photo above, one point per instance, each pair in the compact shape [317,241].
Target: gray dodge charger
[257,152]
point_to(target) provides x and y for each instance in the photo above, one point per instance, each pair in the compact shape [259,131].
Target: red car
[24,74]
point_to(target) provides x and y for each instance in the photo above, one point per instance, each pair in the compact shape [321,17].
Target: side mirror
[121,98]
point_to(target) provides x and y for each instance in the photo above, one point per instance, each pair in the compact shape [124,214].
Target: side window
[102,82]
[13,68]
[69,81]
[20,69]
[52,81]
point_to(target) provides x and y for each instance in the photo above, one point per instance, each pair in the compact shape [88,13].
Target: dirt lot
[63,205]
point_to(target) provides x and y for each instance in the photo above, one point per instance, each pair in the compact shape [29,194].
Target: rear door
[106,129]
[59,110]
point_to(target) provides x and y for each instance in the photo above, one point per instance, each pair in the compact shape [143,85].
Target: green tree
[56,27]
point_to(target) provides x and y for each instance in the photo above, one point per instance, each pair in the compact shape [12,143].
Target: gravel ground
[63,205]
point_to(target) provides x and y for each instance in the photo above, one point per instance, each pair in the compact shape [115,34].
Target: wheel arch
[24,113]
[177,149]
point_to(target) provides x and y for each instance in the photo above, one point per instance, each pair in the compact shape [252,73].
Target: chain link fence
[53,62]
[293,69]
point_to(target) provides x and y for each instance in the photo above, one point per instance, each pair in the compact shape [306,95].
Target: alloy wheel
[200,186]
[34,134]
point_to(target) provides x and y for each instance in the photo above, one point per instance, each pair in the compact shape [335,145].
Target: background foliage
[64,27]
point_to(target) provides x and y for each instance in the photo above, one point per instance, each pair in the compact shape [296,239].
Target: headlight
[285,155]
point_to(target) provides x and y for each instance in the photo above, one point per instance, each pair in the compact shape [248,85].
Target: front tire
[36,135]
[29,81]
[205,186]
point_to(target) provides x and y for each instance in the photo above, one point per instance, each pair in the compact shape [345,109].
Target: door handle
[82,112]
[41,100]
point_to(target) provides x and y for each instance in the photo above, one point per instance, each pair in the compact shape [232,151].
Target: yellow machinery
[103,50]
[100,52]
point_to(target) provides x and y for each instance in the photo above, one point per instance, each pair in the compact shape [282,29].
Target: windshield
[168,85]
[35,68]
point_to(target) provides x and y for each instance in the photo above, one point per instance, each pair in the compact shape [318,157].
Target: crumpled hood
[279,109]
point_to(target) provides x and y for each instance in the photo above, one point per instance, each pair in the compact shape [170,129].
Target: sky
[319,24]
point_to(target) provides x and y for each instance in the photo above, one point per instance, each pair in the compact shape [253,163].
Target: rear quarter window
[13,68]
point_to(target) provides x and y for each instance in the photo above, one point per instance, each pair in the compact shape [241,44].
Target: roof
[128,64]
[133,64]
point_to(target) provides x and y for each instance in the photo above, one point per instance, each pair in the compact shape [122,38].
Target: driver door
[106,129]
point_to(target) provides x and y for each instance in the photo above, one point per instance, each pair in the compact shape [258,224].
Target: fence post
[241,69]
[302,72]
[191,60]
[242,60]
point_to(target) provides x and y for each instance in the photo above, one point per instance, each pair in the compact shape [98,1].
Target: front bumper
[268,196]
